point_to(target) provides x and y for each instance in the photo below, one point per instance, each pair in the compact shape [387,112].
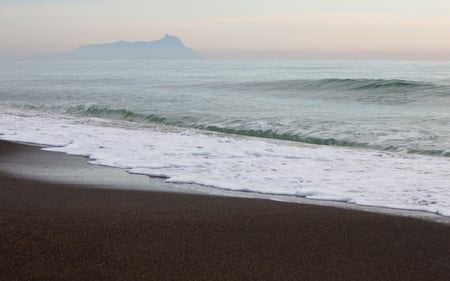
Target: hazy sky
[351,29]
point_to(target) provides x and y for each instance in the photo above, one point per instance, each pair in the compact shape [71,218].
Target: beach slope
[70,231]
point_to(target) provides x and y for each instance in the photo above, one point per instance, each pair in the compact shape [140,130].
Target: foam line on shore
[31,162]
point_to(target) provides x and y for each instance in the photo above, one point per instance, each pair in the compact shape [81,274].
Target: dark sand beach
[69,231]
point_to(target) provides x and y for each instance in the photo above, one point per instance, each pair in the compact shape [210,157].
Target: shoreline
[84,173]
[64,229]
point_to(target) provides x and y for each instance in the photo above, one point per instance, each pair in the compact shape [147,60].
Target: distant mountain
[169,47]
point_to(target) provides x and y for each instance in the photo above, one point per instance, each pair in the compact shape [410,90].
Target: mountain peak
[171,40]
[168,36]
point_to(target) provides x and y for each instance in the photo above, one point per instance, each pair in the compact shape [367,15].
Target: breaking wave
[243,129]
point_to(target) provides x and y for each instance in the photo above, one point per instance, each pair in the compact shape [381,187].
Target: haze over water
[321,29]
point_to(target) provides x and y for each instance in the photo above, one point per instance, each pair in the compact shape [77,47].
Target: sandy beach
[69,231]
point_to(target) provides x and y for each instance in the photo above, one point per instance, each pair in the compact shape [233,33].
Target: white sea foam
[365,177]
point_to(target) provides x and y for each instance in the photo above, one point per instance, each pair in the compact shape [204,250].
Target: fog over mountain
[169,47]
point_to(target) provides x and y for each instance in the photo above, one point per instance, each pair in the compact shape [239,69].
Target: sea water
[369,133]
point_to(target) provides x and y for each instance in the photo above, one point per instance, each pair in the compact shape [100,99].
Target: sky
[235,29]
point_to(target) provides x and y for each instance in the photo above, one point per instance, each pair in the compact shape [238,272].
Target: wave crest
[341,84]
[116,114]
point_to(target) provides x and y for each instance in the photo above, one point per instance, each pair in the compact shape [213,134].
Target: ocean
[372,133]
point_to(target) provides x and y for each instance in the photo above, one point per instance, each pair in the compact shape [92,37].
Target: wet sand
[74,231]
